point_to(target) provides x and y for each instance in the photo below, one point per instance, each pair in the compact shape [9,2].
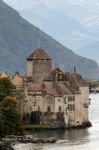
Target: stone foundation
[83,125]
[52,120]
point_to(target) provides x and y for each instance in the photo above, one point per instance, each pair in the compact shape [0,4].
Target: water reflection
[28,147]
[70,135]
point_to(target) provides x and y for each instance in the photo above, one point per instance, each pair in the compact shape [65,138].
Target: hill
[18,39]
[78,19]
[50,21]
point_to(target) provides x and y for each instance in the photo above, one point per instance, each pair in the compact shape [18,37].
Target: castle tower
[38,65]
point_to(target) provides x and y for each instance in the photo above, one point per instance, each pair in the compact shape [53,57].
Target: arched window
[60,109]
[49,109]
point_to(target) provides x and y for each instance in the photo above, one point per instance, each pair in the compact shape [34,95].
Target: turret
[38,65]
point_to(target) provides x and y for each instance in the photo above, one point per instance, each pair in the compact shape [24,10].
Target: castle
[54,98]
[51,97]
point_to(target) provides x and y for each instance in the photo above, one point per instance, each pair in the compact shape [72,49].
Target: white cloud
[23,4]
[82,14]
[57,4]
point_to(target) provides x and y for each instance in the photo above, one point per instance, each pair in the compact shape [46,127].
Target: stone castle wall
[41,69]
[82,106]
[29,68]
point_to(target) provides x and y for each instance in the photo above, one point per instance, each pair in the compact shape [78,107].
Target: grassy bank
[34,126]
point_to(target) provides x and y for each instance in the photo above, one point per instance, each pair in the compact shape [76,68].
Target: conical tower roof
[39,54]
[17,80]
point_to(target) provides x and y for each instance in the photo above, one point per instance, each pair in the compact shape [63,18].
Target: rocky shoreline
[36,140]
[5,145]
[84,125]
[8,142]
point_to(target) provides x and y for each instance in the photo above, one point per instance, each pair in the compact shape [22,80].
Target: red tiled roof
[32,87]
[17,80]
[48,78]
[65,90]
[54,93]
[61,89]
[56,70]
[39,54]
[77,80]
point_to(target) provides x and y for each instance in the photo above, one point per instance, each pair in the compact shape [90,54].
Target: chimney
[74,69]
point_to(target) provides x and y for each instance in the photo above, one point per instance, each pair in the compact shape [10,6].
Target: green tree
[93,84]
[10,119]
[6,88]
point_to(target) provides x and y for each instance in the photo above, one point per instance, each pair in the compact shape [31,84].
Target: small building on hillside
[51,97]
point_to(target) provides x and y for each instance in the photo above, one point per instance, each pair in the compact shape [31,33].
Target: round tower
[38,65]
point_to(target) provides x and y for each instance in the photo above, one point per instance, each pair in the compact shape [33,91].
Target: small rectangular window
[71,98]
[71,107]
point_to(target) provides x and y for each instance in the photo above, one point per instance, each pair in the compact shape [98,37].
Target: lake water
[84,139]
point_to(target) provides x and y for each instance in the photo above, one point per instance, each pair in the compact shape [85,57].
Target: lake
[82,139]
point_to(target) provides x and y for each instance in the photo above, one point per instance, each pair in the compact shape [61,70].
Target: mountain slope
[78,19]
[18,39]
[50,21]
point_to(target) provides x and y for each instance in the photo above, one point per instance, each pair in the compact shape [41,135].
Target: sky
[52,3]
